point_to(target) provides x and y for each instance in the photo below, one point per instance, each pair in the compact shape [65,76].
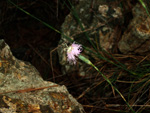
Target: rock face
[22,89]
[136,39]
[100,23]
[94,21]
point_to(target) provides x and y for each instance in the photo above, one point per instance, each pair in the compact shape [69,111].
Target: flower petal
[73,51]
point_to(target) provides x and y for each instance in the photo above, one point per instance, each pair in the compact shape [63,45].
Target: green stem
[143,4]
[90,63]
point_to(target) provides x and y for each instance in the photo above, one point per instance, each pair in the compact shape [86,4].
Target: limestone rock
[136,39]
[22,85]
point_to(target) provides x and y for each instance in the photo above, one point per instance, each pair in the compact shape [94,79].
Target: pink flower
[73,51]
